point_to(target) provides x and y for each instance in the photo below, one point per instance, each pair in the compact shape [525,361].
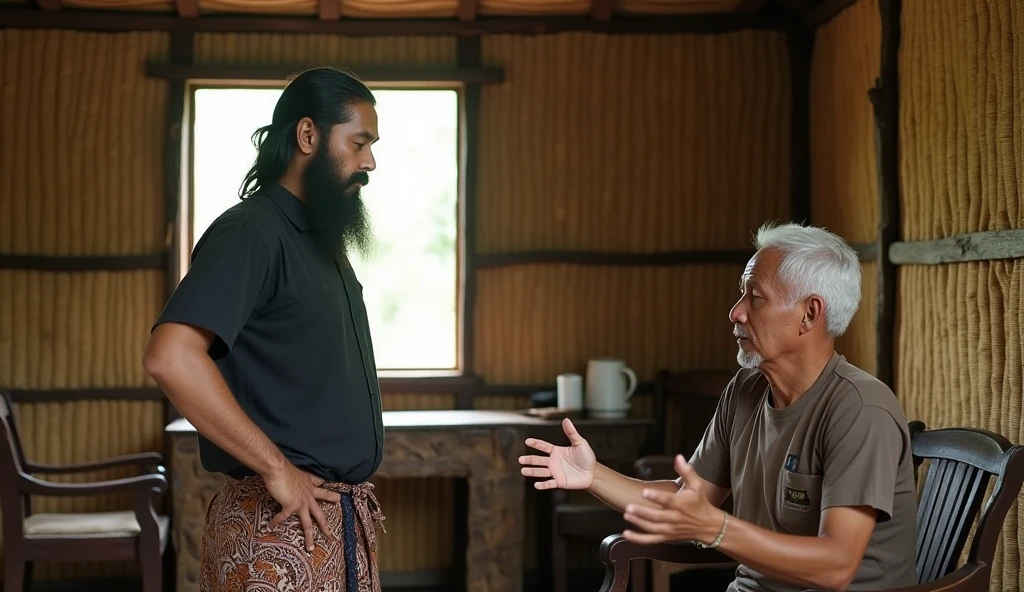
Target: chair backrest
[684,403]
[961,462]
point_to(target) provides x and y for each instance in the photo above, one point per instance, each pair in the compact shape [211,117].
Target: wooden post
[468,57]
[800,44]
[885,101]
[176,217]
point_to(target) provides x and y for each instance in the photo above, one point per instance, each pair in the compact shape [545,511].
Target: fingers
[686,471]
[570,431]
[307,528]
[661,498]
[540,445]
[535,472]
[540,461]
[327,495]
[651,514]
[321,521]
[642,538]
[542,485]
[648,526]
[278,519]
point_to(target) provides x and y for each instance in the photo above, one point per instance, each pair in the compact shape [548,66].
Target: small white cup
[570,392]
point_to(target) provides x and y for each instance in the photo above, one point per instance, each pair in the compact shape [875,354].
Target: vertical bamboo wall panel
[81,155]
[844,169]
[535,322]
[633,143]
[962,170]
[961,125]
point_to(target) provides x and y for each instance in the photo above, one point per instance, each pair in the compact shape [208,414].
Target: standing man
[265,348]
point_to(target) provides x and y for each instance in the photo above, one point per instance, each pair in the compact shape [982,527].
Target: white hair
[815,261]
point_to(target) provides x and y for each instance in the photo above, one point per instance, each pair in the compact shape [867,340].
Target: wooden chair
[697,392]
[961,462]
[138,534]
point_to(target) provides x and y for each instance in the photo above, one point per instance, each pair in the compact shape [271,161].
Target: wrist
[712,527]
[273,467]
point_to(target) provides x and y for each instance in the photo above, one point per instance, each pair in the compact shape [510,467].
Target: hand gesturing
[565,467]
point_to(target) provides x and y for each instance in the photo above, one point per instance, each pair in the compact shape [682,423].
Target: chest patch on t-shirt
[796,499]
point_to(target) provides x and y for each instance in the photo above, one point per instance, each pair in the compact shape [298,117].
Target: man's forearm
[194,384]
[618,490]
[818,562]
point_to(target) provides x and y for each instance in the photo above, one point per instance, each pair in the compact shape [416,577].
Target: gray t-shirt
[845,442]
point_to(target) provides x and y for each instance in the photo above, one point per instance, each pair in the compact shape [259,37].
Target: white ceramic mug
[570,391]
[610,384]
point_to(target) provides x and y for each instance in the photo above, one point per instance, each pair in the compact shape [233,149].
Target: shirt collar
[292,206]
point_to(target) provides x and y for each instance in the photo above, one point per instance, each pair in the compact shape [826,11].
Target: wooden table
[482,447]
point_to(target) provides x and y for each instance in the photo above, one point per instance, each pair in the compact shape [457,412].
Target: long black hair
[326,96]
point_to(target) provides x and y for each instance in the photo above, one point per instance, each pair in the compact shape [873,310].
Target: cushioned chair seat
[88,525]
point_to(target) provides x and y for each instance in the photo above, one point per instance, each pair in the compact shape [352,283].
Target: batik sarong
[241,554]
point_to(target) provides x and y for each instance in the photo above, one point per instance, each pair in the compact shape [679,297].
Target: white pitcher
[609,385]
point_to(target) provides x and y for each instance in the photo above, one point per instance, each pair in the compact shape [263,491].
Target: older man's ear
[814,314]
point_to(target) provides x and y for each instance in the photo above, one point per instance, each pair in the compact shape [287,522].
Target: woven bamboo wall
[844,178]
[666,156]
[962,170]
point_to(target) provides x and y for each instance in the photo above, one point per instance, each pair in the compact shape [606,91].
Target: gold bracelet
[718,539]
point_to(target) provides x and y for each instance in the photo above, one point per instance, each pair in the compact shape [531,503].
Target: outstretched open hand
[684,515]
[564,467]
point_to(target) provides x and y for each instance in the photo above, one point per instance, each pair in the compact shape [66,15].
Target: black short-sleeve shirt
[292,338]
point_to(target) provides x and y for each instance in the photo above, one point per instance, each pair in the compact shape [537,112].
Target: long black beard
[340,221]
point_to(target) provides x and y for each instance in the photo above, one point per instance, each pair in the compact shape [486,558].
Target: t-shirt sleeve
[711,459]
[863,449]
[227,280]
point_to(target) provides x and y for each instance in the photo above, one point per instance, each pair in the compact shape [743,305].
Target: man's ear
[306,136]
[814,313]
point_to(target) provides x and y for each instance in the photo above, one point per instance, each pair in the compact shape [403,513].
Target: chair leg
[14,574]
[152,569]
[638,575]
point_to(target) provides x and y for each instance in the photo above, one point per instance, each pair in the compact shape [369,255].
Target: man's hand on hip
[298,492]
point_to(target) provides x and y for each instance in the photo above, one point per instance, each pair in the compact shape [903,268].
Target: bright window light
[410,284]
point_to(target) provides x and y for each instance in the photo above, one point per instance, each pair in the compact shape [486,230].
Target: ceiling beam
[215,73]
[187,8]
[81,20]
[601,10]
[468,10]
[49,4]
[330,10]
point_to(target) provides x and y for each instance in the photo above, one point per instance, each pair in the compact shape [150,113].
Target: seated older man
[815,451]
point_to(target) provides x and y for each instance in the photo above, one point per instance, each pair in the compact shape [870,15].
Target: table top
[458,419]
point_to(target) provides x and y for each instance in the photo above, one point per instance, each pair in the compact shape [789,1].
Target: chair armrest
[616,553]
[151,483]
[144,459]
[969,578]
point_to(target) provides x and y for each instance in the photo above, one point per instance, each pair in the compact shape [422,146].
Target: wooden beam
[601,10]
[977,246]
[885,102]
[821,13]
[206,72]
[117,393]
[74,263]
[468,9]
[468,56]
[82,20]
[330,10]
[799,44]
[50,4]
[187,8]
